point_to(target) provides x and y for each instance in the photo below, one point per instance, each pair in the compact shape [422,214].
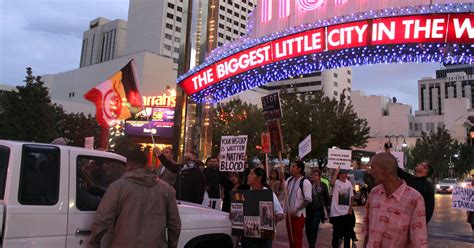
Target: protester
[257,180]
[299,197]
[318,210]
[232,184]
[395,214]
[164,173]
[140,209]
[421,184]
[213,182]
[341,208]
[191,182]
[275,183]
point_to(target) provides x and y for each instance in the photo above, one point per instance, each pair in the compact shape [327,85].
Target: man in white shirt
[299,196]
[341,208]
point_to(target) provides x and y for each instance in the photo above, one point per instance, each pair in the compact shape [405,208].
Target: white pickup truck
[49,194]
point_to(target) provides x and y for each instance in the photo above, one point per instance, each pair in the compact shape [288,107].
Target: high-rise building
[104,41]
[452,82]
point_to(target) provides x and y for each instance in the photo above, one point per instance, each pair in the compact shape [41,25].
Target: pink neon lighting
[310,4]
[341,2]
[266,10]
[284,10]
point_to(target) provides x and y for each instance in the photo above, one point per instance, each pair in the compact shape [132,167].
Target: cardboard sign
[265,140]
[339,158]
[232,155]
[252,214]
[89,143]
[463,198]
[304,147]
[271,107]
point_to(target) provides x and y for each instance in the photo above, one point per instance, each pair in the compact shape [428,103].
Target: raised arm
[403,174]
[166,162]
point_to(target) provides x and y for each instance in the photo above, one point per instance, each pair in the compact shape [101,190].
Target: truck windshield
[4,157]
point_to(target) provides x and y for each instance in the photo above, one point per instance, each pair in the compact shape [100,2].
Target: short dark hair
[260,172]
[430,168]
[211,157]
[138,157]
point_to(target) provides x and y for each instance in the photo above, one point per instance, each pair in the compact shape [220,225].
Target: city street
[447,228]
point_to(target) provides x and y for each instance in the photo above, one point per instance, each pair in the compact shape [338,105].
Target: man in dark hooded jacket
[191,182]
[140,209]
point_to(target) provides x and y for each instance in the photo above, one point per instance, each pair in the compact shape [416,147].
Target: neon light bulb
[310,4]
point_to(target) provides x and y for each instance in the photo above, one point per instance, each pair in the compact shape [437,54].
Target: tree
[330,122]
[436,147]
[28,114]
[238,118]
[464,161]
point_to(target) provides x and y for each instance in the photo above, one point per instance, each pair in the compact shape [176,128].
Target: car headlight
[357,188]
[437,186]
[464,184]
[450,187]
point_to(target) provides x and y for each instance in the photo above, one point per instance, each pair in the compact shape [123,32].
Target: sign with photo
[463,198]
[339,158]
[232,155]
[252,214]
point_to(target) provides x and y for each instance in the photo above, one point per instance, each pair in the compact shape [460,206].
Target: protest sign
[463,198]
[265,139]
[271,107]
[276,139]
[304,147]
[232,155]
[252,214]
[339,158]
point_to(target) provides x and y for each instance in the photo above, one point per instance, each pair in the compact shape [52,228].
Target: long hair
[278,175]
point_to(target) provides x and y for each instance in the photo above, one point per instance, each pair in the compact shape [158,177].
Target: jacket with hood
[141,211]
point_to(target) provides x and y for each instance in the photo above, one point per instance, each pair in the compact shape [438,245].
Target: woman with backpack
[317,211]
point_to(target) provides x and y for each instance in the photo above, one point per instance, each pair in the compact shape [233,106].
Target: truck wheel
[363,198]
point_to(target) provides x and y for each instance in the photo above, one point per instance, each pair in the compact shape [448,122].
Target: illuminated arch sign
[442,34]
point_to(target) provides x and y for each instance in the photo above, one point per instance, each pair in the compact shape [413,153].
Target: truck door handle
[86,231]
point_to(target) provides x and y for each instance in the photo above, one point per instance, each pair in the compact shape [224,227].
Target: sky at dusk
[47,35]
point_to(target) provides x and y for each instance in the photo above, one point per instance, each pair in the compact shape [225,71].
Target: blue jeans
[313,218]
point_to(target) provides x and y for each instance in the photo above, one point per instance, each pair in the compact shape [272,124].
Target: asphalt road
[448,228]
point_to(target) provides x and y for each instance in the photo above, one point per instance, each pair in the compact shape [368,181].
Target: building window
[236,32]
[222,17]
[168,36]
[335,75]
[349,72]
[179,9]
[169,26]
[167,47]
[176,50]
[411,126]
[228,38]
[176,39]
[236,14]
[242,25]
[89,187]
[349,89]
[440,124]
[229,11]
[221,35]
[39,175]
[222,7]
[417,127]
[335,84]
[349,98]
[349,80]
[170,16]
[170,5]
[335,93]
[178,29]
[178,19]
[221,25]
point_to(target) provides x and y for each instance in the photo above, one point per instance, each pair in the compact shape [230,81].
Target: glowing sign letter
[284,10]
[310,4]
[266,10]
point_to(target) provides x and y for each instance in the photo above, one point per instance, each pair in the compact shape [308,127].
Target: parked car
[446,185]
[49,194]
[362,184]
[467,182]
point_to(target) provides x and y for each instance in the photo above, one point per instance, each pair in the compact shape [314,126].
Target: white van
[49,194]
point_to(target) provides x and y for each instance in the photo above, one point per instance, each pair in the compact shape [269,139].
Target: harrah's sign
[433,28]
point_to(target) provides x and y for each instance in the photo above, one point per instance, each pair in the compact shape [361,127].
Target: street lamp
[404,145]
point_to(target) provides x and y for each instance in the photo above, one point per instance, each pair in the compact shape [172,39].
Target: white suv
[49,194]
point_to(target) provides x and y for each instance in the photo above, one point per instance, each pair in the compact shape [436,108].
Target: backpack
[301,185]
